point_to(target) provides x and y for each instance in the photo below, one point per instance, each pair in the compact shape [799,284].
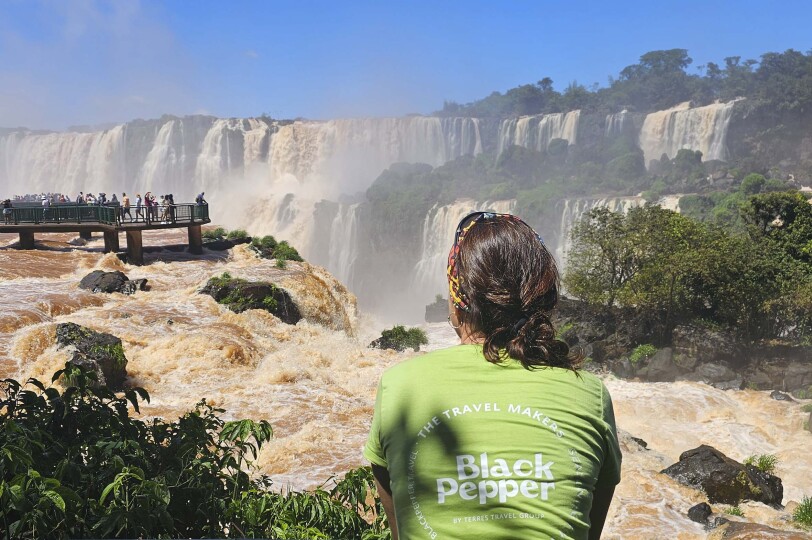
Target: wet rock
[716,521]
[738,530]
[623,368]
[224,244]
[98,351]
[661,367]
[700,512]
[717,375]
[100,281]
[780,396]
[437,311]
[725,480]
[704,345]
[640,442]
[240,295]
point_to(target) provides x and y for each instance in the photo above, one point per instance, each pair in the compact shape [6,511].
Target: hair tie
[516,328]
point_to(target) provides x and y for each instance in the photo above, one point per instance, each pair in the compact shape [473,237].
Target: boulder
[224,244]
[738,530]
[780,396]
[437,311]
[661,367]
[704,344]
[98,351]
[700,512]
[717,375]
[240,295]
[725,480]
[99,281]
[623,368]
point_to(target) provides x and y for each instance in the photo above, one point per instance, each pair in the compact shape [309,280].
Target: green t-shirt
[480,450]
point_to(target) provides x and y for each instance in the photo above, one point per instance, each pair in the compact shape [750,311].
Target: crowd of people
[148,208]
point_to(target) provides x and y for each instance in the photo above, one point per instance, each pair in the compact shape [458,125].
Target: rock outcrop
[100,352]
[725,480]
[437,311]
[700,513]
[240,295]
[99,281]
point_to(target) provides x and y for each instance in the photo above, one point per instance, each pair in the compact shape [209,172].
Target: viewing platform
[28,219]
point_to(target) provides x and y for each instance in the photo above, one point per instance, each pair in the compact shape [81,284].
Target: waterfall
[343,249]
[700,128]
[617,123]
[536,132]
[429,275]
[184,155]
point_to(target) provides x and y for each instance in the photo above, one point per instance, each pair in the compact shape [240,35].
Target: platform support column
[111,241]
[135,251]
[195,240]
[86,235]
[26,240]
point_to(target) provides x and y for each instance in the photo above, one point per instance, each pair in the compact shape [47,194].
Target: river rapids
[315,381]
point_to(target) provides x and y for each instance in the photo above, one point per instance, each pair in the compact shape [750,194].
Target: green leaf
[55,498]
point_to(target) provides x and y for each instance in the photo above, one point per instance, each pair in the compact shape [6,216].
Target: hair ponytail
[511,281]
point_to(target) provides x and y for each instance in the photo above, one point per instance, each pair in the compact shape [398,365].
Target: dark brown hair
[511,282]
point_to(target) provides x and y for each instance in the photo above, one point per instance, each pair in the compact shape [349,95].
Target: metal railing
[104,214]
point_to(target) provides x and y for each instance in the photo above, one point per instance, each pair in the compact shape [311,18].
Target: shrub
[399,338]
[807,408]
[803,513]
[214,234]
[286,251]
[763,462]
[75,464]
[735,511]
[642,352]
[268,248]
[237,234]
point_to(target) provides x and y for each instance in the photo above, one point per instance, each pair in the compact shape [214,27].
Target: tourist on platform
[171,199]
[148,203]
[506,423]
[199,200]
[46,207]
[7,211]
[125,206]
[80,199]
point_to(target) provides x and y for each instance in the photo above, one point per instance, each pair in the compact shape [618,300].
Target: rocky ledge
[100,352]
[612,339]
[109,282]
[240,295]
[723,479]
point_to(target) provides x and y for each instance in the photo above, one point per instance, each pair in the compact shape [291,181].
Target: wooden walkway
[30,219]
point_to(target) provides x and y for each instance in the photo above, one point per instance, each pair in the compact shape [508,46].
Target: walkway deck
[27,220]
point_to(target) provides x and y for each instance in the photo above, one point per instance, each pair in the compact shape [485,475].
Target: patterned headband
[466,224]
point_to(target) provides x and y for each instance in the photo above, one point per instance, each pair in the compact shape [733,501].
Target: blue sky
[74,62]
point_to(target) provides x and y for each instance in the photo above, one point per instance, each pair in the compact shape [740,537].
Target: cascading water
[617,123]
[184,155]
[700,128]
[343,249]
[537,131]
[438,233]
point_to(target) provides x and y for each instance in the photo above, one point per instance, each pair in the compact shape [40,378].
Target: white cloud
[251,53]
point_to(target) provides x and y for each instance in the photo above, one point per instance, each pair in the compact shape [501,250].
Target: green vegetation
[76,464]
[675,270]
[642,352]
[214,234]
[399,338]
[803,513]
[268,248]
[237,234]
[782,81]
[807,408]
[734,511]
[763,462]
